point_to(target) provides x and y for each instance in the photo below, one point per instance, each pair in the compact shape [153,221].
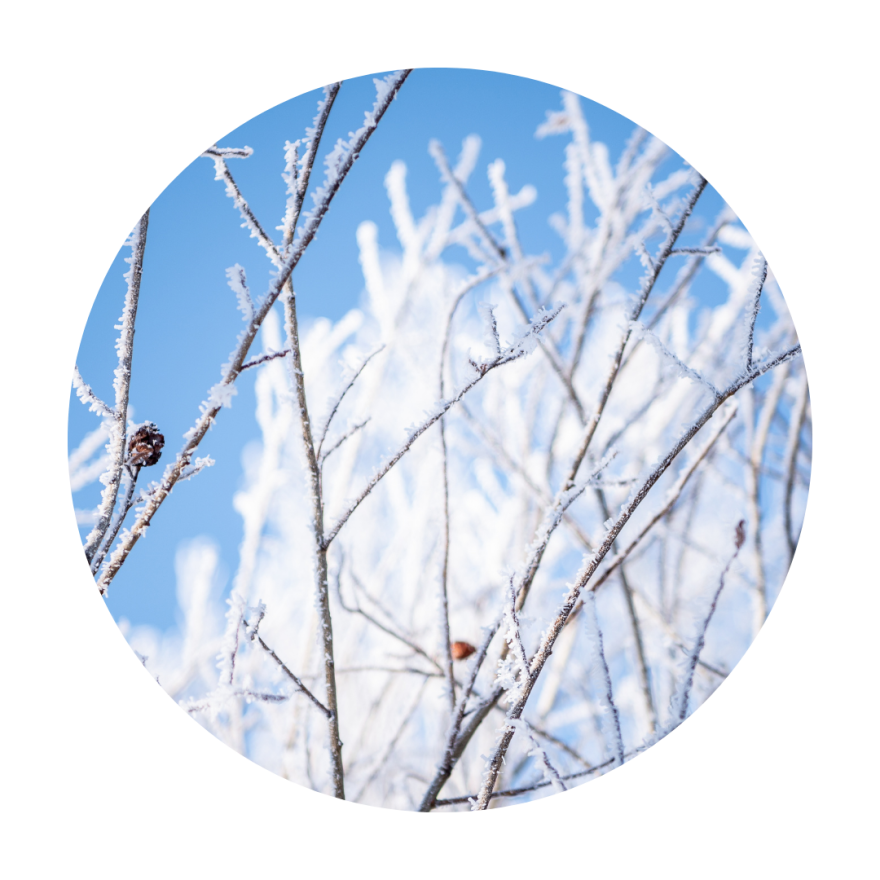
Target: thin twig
[352,430]
[606,697]
[680,700]
[342,394]
[379,625]
[644,674]
[281,665]
[255,362]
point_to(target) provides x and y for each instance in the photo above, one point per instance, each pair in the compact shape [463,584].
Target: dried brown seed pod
[460,650]
[740,537]
[145,445]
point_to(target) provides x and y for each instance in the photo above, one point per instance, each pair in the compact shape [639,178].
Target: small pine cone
[740,537]
[460,650]
[145,445]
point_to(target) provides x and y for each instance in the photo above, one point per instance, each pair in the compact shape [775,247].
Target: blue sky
[187,319]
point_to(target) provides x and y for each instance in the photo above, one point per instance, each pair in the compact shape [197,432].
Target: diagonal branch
[296,681]
[647,286]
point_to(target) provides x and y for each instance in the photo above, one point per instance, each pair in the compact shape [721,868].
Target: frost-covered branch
[644,673]
[88,397]
[672,497]
[760,271]
[265,358]
[137,241]
[685,276]
[296,681]
[698,251]
[248,217]
[131,473]
[606,695]
[796,423]
[298,179]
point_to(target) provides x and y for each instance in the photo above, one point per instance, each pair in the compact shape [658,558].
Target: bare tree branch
[125,350]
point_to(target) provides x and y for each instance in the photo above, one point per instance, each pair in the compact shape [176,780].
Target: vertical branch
[121,384]
[642,665]
[606,694]
[756,459]
[798,415]
[445,636]
[444,570]
[132,472]
[322,592]
[761,274]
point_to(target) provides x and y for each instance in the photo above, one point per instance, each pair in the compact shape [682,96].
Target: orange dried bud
[460,650]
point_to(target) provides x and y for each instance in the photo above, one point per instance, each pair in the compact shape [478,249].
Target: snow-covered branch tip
[196,467]
[490,325]
[237,281]
[88,397]
[216,152]
[513,637]
[695,251]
